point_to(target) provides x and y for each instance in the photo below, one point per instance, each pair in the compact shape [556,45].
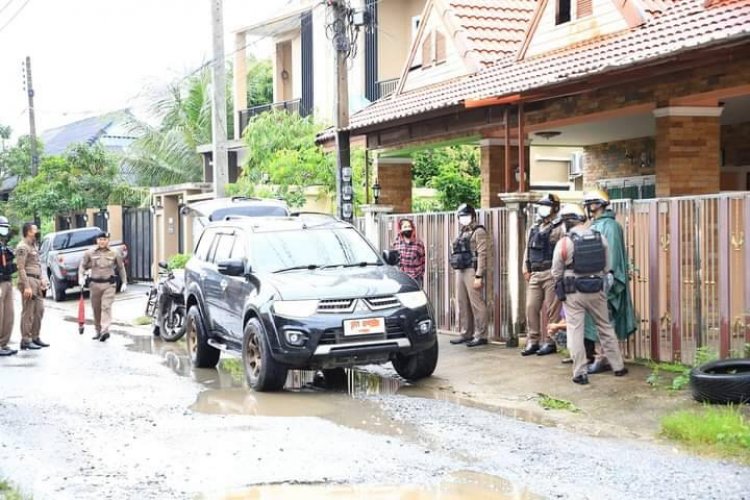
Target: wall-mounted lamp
[548,134]
[154,208]
[284,74]
[104,213]
[85,218]
[376,191]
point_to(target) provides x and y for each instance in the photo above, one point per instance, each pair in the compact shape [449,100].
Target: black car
[303,292]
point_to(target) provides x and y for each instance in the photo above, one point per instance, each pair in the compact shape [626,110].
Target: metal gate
[137,233]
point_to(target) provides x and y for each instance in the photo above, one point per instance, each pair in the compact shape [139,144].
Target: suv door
[198,270]
[236,290]
[216,283]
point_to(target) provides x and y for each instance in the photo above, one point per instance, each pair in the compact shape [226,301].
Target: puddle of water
[458,486]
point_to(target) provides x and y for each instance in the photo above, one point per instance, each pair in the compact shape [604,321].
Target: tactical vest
[589,255]
[540,249]
[462,257]
[7,266]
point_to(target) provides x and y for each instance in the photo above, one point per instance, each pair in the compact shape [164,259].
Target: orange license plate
[365,326]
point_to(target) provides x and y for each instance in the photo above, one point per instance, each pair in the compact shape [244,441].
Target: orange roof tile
[685,26]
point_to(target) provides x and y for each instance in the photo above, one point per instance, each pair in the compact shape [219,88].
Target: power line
[5,6]
[14,15]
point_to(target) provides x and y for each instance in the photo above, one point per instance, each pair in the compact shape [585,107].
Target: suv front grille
[394,329]
[339,306]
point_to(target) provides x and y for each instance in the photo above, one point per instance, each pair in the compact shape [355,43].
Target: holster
[560,290]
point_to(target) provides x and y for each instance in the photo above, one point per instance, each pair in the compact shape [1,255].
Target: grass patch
[564,352]
[714,430]
[679,373]
[233,367]
[10,492]
[142,320]
[549,403]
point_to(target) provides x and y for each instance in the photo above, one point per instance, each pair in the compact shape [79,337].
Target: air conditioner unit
[576,164]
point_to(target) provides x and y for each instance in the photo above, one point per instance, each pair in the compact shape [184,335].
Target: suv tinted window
[273,251]
[201,250]
[76,239]
[250,211]
[223,248]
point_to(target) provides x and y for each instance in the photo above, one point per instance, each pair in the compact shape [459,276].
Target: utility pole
[219,101]
[343,48]
[32,122]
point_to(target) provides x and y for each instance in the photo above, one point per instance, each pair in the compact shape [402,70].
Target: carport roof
[684,26]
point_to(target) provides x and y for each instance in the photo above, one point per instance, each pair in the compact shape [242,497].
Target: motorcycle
[166,304]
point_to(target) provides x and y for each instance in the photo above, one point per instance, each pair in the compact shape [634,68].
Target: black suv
[303,292]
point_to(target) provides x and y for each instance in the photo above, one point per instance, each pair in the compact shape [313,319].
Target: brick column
[394,177]
[687,150]
[492,168]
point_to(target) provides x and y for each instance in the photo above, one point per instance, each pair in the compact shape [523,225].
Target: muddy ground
[130,419]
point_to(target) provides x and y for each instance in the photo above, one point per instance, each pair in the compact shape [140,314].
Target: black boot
[530,349]
[104,337]
[97,336]
[460,340]
[29,346]
[547,348]
[40,343]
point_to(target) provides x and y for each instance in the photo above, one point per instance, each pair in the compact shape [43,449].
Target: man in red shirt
[411,249]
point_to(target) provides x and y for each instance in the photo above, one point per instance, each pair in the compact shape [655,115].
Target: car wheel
[58,289]
[262,372]
[417,366]
[202,355]
[722,382]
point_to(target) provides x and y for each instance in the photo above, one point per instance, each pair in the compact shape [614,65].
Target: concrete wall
[395,35]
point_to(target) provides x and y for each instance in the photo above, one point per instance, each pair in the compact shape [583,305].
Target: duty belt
[35,276]
[5,278]
[111,279]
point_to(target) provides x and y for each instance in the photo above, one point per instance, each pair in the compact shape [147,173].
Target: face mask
[4,231]
[464,220]
[544,211]
[407,233]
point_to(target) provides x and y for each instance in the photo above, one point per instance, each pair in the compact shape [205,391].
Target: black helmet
[102,234]
[550,200]
[466,209]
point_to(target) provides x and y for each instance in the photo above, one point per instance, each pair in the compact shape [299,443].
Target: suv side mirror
[163,264]
[391,257]
[231,267]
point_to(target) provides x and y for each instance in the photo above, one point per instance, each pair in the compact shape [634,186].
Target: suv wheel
[263,373]
[202,355]
[419,365]
[58,289]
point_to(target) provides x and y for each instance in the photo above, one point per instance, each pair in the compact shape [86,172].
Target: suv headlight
[295,308]
[412,300]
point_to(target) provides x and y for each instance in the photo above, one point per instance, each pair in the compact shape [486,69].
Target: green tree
[5,132]
[259,82]
[454,171]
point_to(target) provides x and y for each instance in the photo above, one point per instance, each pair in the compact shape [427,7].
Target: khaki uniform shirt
[102,263]
[27,260]
[480,246]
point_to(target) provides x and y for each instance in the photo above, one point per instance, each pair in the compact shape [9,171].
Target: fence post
[517,205]
[372,215]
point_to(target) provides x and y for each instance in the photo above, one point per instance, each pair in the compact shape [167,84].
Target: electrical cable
[14,15]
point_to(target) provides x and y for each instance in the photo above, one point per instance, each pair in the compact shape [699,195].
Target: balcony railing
[387,87]
[292,106]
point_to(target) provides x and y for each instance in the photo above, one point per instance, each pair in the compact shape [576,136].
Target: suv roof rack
[321,214]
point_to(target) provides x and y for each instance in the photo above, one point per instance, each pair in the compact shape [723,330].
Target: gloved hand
[81,280]
[609,281]
[123,287]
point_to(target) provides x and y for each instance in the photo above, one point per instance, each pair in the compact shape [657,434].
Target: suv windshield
[309,248]
[76,239]
[259,210]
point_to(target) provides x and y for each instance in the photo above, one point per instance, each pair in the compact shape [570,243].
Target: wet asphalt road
[130,419]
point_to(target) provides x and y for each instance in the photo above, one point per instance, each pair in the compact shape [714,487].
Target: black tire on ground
[174,332]
[335,377]
[417,366]
[57,289]
[262,372]
[722,382]
[202,355]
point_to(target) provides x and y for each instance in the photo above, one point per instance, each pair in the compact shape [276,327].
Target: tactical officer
[7,268]
[32,285]
[469,259]
[619,301]
[537,262]
[579,265]
[102,262]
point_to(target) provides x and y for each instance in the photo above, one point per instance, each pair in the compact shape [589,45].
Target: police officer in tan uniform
[579,266]
[102,263]
[537,262]
[469,259]
[7,268]
[32,285]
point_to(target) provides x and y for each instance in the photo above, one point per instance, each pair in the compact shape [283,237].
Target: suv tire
[417,366]
[57,289]
[201,354]
[262,372]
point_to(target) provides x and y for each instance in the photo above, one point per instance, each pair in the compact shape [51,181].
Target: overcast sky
[94,56]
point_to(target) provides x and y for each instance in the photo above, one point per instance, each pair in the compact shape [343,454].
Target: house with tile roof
[642,97]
